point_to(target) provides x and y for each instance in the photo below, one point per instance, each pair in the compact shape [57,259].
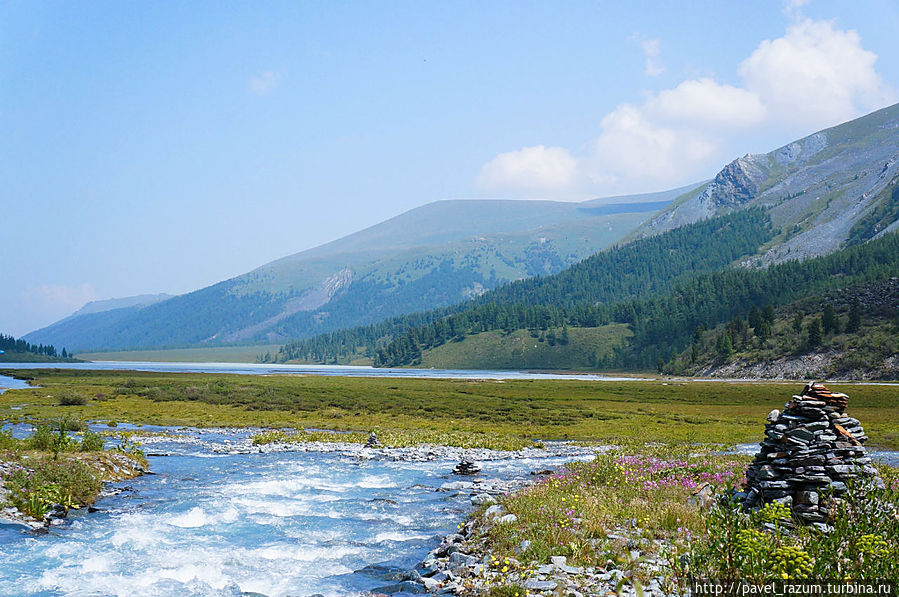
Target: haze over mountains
[432,256]
[749,238]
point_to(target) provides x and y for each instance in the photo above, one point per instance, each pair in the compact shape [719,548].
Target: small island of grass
[53,470]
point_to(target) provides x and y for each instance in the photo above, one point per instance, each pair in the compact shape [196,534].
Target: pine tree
[813,333]
[797,323]
[855,316]
[755,318]
[724,345]
[829,320]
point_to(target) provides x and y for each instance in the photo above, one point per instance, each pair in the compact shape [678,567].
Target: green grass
[523,349]
[642,498]
[212,354]
[520,410]
[51,467]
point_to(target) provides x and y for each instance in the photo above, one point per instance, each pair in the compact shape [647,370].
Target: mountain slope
[817,190]
[432,256]
[834,194]
[662,324]
[644,267]
[851,333]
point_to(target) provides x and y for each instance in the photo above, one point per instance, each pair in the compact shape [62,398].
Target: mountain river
[216,518]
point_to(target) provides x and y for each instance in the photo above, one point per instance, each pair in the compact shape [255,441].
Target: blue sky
[161,147]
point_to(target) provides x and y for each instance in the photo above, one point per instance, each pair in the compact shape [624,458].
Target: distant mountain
[141,300]
[436,255]
[835,187]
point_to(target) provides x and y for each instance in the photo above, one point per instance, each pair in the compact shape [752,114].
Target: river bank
[39,489]
[650,520]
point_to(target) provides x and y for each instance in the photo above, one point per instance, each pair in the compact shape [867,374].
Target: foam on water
[280,523]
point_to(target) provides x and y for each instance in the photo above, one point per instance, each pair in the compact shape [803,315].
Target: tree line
[664,325]
[11,344]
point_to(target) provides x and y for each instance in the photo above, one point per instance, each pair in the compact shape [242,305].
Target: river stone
[407,586]
[801,435]
[540,585]
[807,497]
[493,510]
[481,499]
[507,519]
[462,559]
[456,486]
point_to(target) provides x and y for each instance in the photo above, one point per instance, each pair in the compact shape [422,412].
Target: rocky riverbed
[463,565]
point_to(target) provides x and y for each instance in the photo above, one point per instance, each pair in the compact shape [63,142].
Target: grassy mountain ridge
[555,348]
[436,255]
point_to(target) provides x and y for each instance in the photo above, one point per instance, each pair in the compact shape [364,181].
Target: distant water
[11,383]
[330,370]
[210,524]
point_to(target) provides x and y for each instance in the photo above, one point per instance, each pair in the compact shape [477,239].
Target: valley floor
[487,413]
[630,518]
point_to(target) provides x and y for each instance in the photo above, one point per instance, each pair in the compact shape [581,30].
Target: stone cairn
[372,441]
[466,467]
[811,449]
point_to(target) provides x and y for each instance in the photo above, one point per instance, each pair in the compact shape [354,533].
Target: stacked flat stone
[466,467]
[811,449]
[372,441]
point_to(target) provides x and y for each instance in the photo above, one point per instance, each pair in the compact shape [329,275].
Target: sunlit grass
[518,411]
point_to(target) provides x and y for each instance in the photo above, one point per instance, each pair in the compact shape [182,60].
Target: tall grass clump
[71,398]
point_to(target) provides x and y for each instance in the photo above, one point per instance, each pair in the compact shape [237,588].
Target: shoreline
[108,467]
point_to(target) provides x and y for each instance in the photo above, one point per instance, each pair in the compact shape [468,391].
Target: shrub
[861,545]
[7,441]
[70,483]
[41,437]
[67,424]
[91,442]
[71,398]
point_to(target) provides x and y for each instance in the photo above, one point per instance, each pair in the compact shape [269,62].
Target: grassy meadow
[523,349]
[483,412]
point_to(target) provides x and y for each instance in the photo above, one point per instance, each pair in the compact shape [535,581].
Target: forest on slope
[638,269]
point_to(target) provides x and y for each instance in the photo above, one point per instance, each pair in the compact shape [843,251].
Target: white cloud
[816,74]
[652,48]
[264,83]
[812,77]
[530,168]
[705,103]
[633,147]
